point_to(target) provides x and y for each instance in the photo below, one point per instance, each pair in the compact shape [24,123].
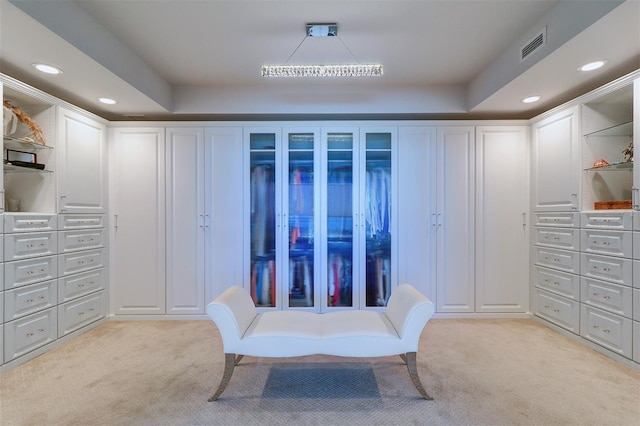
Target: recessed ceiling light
[531,99]
[107,101]
[592,66]
[49,69]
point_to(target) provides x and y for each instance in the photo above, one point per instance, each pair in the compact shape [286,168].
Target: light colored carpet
[480,372]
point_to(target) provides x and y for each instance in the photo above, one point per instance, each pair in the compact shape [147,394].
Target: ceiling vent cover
[539,40]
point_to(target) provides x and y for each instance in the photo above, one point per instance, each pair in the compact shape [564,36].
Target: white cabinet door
[555,161]
[501,231]
[185,220]
[454,218]
[224,189]
[417,209]
[138,208]
[81,155]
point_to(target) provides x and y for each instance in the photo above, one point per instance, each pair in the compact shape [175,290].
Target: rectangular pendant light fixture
[346,70]
[356,70]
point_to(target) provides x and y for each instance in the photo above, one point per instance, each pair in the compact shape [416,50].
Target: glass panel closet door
[301,219]
[377,212]
[339,217]
[263,180]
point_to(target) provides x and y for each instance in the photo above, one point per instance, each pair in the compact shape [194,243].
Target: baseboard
[482,315]
[157,317]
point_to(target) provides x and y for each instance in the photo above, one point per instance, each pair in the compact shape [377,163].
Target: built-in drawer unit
[636,304]
[614,298]
[557,310]
[29,222]
[80,312]
[32,244]
[607,219]
[76,285]
[81,221]
[563,283]
[557,219]
[26,300]
[30,271]
[564,238]
[31,332]
[568,261]
[606,329]
[81,239]
[614,269]
[610,243]
[73,263]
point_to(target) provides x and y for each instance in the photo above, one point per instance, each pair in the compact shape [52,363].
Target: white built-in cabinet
[501,219]
[555,151]
[138,182]
[81,163]
[187,221]
[473,204]
[179,189]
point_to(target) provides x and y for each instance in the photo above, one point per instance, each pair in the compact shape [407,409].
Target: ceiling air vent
[539,40]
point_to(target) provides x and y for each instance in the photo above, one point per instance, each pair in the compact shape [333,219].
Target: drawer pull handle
[29,334]
[556,311]
[80,313]
[29,300]
[547,306]
[606,331]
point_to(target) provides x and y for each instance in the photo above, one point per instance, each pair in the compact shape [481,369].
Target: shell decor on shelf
[600,163]
[628,153]
[13,116]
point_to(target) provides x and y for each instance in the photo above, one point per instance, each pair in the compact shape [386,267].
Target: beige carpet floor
[480,372]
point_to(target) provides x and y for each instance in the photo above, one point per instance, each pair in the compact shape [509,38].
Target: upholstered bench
[350,333]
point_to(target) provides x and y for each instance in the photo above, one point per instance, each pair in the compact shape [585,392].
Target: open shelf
[22,145]
[628,166]
[624,129]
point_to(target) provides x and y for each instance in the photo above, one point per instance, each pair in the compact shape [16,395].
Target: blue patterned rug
[321,381]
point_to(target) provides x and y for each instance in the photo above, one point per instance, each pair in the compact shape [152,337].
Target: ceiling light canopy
[48,69]
[339,70]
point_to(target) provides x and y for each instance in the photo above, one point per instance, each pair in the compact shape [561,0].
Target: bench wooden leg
[413,373]
[404,358]
[229,364]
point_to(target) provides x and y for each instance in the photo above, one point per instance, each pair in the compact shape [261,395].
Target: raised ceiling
[201,59]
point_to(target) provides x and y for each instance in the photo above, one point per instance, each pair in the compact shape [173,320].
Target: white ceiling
[201,59]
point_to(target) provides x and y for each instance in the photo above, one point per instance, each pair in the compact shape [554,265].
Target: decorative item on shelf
[23,159]
[612,205]
[14,117]
[600,163]
[628,153]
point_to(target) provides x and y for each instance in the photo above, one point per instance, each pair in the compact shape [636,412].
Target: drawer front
[636,221]
[1,309]
[558,219]
[564,238]
[636,341]
[23,301]
[558,310]
[1,341]
[568,261]
[72,263]
[636,245]
[78,313]
[84,239]
[607,219]
[614,298]
[609,330]
[1,246]
[610,243]
[613,269]
[81,221]
[33,244]
[636,273]
[74,286]
[30,271]
[562,283]
[636,304]
[29,222]
[29,333]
